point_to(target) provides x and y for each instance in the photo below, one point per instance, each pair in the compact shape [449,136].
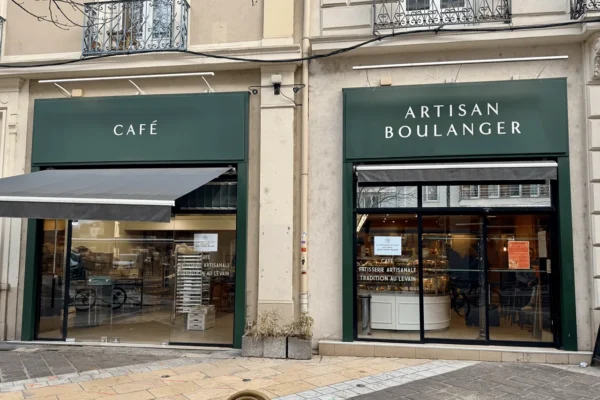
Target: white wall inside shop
[330,76]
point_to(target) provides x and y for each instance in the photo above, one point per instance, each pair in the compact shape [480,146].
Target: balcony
[580,7]
[135,26]
[399,14]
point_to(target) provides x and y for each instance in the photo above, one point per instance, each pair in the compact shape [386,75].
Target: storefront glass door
[469,263]
[52,280]
[146,282]
[453,277]
[92,293]
[388,296]
[204,267]
[519,277]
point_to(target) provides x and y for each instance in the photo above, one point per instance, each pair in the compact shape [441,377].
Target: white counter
[399,311]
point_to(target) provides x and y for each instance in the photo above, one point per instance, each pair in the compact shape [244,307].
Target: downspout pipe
[304,163]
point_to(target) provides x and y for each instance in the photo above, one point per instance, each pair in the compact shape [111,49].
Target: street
[89,373]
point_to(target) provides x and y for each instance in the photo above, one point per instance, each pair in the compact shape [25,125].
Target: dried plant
[301,327]
[268,324]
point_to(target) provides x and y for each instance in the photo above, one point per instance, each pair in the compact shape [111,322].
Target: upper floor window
[494,191]
[516,190]
[580,7]
[431,193]
[129,26]
[394,14]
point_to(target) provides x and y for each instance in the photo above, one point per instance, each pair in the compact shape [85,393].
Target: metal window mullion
[67,277]
[420,277]
[486,289]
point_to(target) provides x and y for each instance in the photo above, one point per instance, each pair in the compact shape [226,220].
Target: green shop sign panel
[464,119]
[159,128]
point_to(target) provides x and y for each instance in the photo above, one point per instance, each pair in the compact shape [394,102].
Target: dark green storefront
[166,131]
[491,122]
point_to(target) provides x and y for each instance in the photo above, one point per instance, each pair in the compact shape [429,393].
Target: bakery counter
[399,311]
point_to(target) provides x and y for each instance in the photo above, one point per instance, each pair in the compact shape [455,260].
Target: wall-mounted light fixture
[130,78]
[460,62]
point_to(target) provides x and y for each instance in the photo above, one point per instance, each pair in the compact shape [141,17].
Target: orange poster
[518,255]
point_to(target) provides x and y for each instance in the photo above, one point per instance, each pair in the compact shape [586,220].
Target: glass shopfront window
[456,196]
[472,274]
[388,277]
[52,280]
[140,282]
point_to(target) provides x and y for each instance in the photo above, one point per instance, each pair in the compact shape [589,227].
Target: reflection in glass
[130,276]
[520,276]
[52,281]
[387,277]
[387,196]
[415,5]
[452,4]
[489,196]
[452,254]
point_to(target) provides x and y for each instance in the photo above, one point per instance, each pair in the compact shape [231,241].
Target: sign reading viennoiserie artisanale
[488,118]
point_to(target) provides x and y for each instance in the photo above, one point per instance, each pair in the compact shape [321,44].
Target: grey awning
[464,172]
[101,194]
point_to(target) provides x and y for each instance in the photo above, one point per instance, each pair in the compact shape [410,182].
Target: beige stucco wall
[345,17]
[25,35]
[210,22]
[330,76]
[213,21]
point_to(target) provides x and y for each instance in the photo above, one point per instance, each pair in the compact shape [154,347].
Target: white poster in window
[206,242]
[388,245]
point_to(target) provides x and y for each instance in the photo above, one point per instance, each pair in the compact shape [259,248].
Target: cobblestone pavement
[23,363]
[498,381]
[216,375]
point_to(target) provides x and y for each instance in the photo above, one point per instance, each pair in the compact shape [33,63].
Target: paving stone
[382,395]
[502,381]
[430,396]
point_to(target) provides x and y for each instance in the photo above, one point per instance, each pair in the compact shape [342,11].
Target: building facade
[447,192]
[377,123]
[51,303]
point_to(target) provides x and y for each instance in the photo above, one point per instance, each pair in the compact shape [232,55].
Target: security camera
[276,79]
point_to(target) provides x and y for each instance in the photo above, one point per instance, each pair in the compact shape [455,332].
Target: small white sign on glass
[388,245]
[206,242]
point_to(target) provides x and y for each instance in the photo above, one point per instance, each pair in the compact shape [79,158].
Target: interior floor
[508,330]
[154,327]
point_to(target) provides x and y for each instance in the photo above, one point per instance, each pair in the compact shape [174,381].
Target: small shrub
[301,327]
[268,324]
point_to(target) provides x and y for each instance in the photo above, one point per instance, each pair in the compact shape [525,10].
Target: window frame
[437,194]
[497,195]
[432,5]
[510,189]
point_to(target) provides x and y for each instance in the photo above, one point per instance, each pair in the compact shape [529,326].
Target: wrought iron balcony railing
[397,14]
[580,7]
[134,26]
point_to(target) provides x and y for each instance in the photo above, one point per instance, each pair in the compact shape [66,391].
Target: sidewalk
[200,375]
